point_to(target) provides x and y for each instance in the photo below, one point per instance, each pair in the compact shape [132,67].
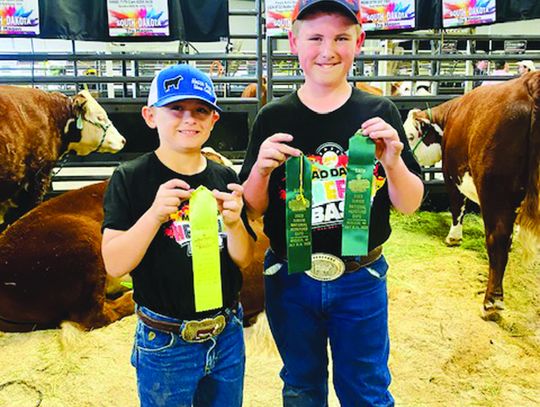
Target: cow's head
[97,131]
[424,137]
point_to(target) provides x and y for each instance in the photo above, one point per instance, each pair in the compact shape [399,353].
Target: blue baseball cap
[181,82]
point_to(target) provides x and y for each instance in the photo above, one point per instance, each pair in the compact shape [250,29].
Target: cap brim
[176,98]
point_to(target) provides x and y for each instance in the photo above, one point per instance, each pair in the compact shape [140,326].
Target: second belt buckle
[325,267]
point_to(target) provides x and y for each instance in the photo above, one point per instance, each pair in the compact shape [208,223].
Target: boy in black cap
[189,347]
[346,304]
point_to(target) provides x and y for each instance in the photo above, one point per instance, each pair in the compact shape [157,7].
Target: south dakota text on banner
[138,18]
[19,17]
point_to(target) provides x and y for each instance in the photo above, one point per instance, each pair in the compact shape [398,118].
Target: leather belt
[355,263]
[327,267]
[197,330]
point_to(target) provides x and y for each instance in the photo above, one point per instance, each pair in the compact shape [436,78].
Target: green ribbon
[355,230]
[298,213]
[205,250]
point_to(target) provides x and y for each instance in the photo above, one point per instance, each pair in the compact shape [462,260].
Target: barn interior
[231,40]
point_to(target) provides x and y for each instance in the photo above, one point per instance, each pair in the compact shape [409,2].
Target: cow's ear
[79,101]
[413,113]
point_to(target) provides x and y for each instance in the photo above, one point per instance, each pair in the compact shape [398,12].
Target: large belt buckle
[201,331]
[325,267]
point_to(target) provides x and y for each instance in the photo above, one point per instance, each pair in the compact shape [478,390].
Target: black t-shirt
[163,280]
[324,139]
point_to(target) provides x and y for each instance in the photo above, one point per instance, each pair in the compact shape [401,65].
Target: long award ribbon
[298,213]
[355,230]
[205,250]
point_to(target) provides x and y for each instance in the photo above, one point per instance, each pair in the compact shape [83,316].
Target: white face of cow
[426,155]
[97,133]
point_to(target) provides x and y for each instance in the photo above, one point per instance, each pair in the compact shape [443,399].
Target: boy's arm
[272,153]
[122,251]
[239,242]
[405,189]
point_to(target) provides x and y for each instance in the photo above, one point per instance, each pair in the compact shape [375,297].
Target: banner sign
[138,18]
[19,17]
[278,16]
[462,13]
[388,15]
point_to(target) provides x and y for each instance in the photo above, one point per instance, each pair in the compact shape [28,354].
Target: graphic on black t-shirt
[179,229]
[329,173]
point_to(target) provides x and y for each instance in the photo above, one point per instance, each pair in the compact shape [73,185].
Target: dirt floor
[443,352]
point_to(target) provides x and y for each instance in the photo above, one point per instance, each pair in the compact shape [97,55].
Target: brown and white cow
[490,153]
[51,269]
[36,127]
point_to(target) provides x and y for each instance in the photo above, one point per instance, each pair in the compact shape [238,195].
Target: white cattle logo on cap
[172,82]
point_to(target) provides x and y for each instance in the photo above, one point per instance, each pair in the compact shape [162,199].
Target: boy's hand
[230,204]
[274,152]
[388,147]
[168,199]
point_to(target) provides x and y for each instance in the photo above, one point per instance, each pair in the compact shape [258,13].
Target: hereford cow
[36,128]
[51,268]
[491,154]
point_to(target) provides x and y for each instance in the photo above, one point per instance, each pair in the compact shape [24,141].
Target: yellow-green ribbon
[357,212]
[205,250]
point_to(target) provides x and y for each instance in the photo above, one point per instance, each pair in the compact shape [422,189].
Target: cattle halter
[65,155]
[105,128]
[425,133]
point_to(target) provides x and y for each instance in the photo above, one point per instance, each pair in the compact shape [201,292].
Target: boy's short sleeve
[116,208]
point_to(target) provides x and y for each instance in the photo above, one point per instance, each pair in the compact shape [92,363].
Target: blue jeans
[173,372]
[351,313]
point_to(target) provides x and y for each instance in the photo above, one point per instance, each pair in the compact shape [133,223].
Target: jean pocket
[237,316]
[152,340]
[378,269]
[134,356]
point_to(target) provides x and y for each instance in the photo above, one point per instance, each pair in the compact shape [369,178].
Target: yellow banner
[205,250]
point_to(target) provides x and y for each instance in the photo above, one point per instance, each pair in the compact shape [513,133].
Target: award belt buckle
[325,267]
[201,331]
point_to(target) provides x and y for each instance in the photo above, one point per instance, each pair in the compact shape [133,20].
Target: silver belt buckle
[325,267]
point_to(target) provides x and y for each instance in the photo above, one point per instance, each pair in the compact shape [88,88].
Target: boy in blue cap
[183,356]
[347,304]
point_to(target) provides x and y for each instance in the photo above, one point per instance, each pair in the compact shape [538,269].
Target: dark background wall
[190,20]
